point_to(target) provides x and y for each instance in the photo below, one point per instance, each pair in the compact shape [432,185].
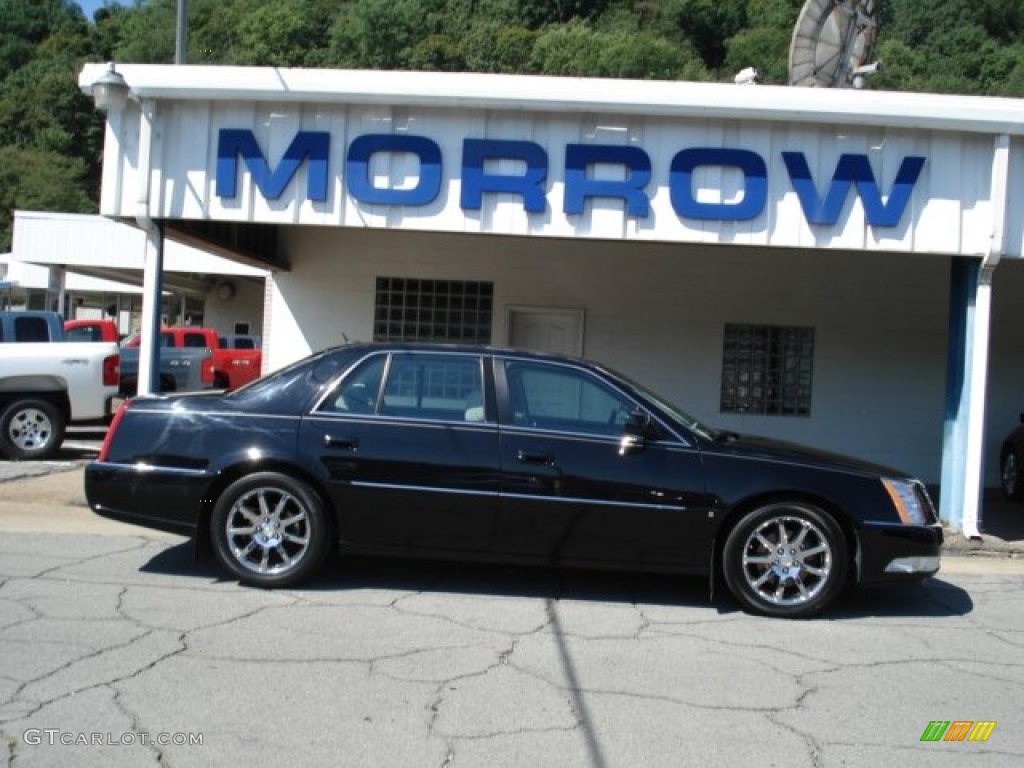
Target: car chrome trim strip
[595,502]
[423,489]
[143,468]
[403,421]
[520,496]
[512,431]
[232,414]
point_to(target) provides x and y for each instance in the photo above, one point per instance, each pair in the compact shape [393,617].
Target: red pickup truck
[231,367]
[91,330]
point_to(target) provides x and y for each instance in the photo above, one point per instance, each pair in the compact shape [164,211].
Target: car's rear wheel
[31,429]
[785,559]
[270,529]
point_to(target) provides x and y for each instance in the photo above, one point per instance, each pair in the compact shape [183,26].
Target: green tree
[764,44]
[29,24]
[950,46]
[49,131]
[704,24]
[284,33]
[380,34]
[42,107]
[40,180]
[489,46]
[147,33]
[578,49]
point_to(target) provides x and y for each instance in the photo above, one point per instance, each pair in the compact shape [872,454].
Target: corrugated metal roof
[560,94]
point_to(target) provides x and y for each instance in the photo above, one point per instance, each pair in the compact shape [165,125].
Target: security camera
[859,74]
[746,76]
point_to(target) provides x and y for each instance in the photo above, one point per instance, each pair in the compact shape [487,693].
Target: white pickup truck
[44,386]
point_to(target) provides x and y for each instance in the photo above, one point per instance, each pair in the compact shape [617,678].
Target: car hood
[794,453]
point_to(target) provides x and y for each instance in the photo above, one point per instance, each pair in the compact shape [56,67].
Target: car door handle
[348,443]
[526,457]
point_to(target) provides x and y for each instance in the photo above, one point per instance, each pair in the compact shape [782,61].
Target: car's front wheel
[785,559]
[270,529]
[1009,473]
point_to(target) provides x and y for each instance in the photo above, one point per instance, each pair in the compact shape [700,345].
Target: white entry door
[559,331]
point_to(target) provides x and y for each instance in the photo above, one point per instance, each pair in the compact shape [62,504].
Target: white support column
[977,367]
[970,323]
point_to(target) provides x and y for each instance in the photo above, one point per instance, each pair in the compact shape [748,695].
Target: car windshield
[673,410]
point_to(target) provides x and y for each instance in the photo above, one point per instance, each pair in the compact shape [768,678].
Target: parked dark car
[1010,456]
[489,454]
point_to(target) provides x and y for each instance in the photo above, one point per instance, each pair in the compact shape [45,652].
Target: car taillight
[111,370]
[207,371]
[105,448]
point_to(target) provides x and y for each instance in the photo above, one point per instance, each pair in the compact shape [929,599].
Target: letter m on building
[311,145]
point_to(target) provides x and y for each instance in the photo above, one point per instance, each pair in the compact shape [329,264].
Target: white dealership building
[836,267]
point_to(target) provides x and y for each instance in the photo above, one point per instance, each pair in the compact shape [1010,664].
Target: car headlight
[911,501]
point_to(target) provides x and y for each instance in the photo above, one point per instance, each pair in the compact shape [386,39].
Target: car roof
[473,349]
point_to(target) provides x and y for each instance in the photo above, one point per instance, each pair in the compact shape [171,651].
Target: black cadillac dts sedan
[503,455]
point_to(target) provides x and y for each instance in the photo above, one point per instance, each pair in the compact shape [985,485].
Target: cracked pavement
[384,663]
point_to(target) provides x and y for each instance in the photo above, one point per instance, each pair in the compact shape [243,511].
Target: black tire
[279,531]
[31,429]
[1010,474]
[786,559]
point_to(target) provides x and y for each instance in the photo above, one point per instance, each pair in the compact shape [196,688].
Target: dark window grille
[412,309]
[767,369]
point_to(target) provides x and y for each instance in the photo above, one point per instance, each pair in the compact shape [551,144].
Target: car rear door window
[359,391]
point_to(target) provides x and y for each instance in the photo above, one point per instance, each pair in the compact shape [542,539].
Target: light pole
[181,34]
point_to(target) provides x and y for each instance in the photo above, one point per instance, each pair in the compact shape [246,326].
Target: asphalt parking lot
[120,649]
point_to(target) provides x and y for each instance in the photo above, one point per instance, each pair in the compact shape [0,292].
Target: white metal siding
[93,241]
[948,213]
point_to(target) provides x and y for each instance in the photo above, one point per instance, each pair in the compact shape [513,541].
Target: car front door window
[563,399]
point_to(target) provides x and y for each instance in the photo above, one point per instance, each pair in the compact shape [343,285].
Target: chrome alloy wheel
[268,531]
[787,560]
[30,429]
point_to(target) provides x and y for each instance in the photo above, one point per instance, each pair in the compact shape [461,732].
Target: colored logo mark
[958,730]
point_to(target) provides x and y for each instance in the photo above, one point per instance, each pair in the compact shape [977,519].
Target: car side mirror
[634,433]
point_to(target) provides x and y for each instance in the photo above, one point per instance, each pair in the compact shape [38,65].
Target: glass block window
[411,309]
[767,369]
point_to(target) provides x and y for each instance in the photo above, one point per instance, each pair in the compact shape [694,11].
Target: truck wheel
[31,429]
